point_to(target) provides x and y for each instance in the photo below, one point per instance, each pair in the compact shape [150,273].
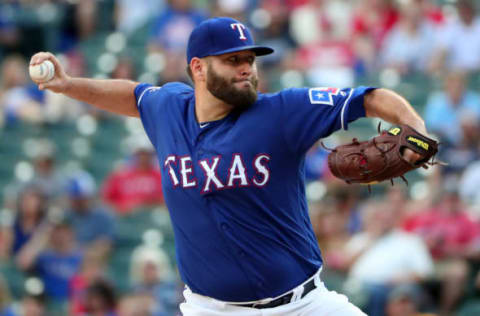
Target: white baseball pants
[319,302]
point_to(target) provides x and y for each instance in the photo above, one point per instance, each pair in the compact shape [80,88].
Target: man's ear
[199,68]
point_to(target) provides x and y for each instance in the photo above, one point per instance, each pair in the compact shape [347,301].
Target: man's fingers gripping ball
[42,72]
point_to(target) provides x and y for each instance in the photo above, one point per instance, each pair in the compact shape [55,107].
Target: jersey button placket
[200,151]
[200,137]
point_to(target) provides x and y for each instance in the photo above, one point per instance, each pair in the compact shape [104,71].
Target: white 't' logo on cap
[240,28]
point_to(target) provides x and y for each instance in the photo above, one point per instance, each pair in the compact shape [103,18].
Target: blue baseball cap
[221,35]
[80,185]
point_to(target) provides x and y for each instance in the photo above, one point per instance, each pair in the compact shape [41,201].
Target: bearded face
[226,89]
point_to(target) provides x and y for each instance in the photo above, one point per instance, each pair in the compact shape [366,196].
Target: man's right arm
[116,96]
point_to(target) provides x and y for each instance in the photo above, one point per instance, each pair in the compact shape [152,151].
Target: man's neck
[209,108]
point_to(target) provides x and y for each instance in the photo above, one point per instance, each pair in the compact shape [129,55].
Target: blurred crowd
[399,251]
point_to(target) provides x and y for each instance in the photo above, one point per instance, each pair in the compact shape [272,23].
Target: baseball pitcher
[233,170]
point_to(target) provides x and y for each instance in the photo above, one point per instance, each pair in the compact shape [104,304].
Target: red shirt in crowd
[443,231]
[78,287]
[375,24]
[131,187]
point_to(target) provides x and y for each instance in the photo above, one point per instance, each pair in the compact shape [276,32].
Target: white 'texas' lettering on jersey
[185,170]
[210,174]
[236,175]
[168,163]
[237,172]
[261,169]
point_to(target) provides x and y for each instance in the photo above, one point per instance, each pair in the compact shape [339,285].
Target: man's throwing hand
[59,82]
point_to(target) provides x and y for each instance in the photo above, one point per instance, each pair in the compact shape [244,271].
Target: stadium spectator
[404,300]
[151,275]
[397,198]
[29,222]
[449,232]
[276,34]
[93,269]
[33,305]
[101,299]
[330,227]
[172,27]
[18,100]
[464,152]
[443,109]
[372,20]
[311,20]
[458,42]
[46,178]
[137,305]
[55,258]
[92,224]
[447,228]
[407,47]
[9,32]
[346,200]
[325,50]
[374,264]
[469,184]
[78,23]
[169,35]
[432,11]
[135,185]
[327,62]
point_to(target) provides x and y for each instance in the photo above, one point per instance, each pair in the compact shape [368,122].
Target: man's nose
[245,69]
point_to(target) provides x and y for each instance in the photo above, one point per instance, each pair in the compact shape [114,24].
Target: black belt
[284,299]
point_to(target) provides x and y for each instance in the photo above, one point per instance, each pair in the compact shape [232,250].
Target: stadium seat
[470,308]
[14,277]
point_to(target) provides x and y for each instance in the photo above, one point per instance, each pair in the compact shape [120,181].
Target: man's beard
[225,90]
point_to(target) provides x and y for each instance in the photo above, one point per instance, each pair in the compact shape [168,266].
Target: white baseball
[42,72]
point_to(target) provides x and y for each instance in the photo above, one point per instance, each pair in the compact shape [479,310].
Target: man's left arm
[393,108]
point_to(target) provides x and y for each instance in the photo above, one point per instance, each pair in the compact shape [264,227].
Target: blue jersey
[235,187]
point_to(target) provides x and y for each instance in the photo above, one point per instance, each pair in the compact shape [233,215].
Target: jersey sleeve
[148,103]
[313,113]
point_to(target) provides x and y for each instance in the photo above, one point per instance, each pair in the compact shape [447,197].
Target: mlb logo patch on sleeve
[322,95]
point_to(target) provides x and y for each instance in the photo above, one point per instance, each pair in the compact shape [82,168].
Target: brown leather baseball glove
[380,158]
